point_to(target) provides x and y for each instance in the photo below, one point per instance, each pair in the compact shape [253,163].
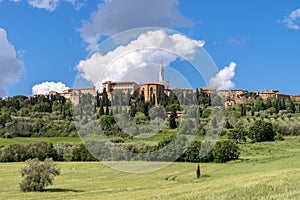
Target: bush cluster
[222,152]
[20,153]
[170,149]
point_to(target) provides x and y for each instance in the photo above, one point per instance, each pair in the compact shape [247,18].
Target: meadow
[269,170]
[26,140]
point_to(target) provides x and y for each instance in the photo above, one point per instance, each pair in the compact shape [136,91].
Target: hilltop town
[162,89]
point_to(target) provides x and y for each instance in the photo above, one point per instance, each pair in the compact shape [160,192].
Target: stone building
[266,94]
[223,93]
[237,93]
[74,94]
[209,91]
[152,89]
[296,98]
[123,86]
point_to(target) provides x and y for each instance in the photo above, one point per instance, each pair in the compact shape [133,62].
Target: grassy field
[26,140]
[265,171]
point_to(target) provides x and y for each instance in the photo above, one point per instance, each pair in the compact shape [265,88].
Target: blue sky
[261,37]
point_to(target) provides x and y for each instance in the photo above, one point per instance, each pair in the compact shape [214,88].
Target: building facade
[124,87]
[154,90]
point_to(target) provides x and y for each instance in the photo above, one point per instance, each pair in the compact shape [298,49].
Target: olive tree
[37,175]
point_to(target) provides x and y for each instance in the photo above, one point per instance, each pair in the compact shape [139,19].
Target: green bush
[225,151]
[279,137]
[206,113]
[19,152]
[237,134]
[261,131]
[80,153]
[38,175]
[106,122]
[117,140]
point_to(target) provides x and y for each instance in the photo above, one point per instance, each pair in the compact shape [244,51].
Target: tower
[161,74]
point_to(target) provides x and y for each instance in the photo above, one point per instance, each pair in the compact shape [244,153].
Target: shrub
[192,154]
[42,150]
[198,152]
[38,175]
[117,140]
[140,118]
[80,153]
[238,135]
[19,152]
[206,113]
[106,122]
[225,151]
[279,137]
[261,131]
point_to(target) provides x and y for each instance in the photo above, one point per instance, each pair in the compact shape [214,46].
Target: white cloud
[49,5]
[148,48]
[76,3]
[223,80]
[114,16]
[11,67]
[292,18]
[46,87]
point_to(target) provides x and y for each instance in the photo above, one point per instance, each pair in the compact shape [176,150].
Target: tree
[140,118]
[291,107]
[106,110]
[238,135]
[198,171]
[106,121]
[225,151]
[37,175]
[81,153]
[261,131]
[101,110]
[172,120]
[243,110]
[104,98]
[206,113]
[258,104]
[192,153]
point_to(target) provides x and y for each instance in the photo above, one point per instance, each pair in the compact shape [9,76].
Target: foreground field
[265,171]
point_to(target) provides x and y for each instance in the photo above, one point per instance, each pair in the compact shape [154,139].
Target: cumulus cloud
[114,16]
[49,5]
[291,20]
[11,67]
[223,80]
[149,47]
[76,3]
[46,87]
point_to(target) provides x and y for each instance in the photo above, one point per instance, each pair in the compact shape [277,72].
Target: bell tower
[161,74]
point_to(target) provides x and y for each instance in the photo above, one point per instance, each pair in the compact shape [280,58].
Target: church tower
[161,74]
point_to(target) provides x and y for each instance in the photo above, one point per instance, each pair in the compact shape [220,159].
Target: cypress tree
[101,112]
[198,171]
[172,120]
[106,110]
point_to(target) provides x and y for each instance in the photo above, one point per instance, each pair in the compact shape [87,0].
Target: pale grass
[265,171]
